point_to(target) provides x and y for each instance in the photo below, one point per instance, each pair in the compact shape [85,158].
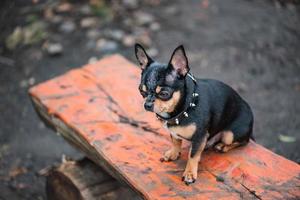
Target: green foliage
[102,9]
[33,33]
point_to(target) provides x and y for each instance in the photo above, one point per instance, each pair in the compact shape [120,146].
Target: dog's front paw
[189,177]
[190,173]
[170,155]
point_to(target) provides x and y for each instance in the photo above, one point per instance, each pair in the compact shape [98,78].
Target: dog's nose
[148,106]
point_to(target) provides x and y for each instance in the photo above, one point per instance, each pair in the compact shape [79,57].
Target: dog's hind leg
[214,140]
[236,134]
[226,142]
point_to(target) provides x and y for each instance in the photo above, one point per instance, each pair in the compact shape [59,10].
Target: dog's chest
[181,132]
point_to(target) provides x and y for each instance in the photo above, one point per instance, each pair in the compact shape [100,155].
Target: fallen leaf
[15,38]
[17,171]
[34,33]
[45,171]
[21,186]
[64,7]
[286,138]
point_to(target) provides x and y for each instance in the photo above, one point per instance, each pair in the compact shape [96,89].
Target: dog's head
[162,85]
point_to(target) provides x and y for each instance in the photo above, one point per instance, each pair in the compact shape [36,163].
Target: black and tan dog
[206,112]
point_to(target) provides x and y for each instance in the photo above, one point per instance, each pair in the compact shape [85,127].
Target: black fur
[218,106]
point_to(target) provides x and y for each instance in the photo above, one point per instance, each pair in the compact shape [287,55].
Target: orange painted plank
[101,103]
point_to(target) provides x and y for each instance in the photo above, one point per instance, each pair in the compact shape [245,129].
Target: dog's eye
[164,94]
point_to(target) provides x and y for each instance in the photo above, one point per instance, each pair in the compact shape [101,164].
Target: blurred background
[252,45]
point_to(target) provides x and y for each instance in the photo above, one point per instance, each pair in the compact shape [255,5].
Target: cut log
[98,109]
[84,180]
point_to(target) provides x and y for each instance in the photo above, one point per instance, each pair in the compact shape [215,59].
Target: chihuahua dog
[206,112]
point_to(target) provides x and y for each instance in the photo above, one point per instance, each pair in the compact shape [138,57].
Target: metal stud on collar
[177,121]
[191,76]
[195,94]
[186,114]
[192,104]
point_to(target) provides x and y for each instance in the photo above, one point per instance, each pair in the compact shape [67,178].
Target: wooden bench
[98,109]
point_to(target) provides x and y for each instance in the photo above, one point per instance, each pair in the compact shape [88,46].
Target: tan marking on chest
[184,131]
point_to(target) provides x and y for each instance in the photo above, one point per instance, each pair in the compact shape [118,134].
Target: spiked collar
[190,102]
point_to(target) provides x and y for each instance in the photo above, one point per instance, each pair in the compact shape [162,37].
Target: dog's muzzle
[149,103]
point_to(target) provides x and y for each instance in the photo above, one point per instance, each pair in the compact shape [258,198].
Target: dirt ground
[251,45]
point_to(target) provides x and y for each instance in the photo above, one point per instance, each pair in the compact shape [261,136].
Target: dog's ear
[142,56]
[178,63]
